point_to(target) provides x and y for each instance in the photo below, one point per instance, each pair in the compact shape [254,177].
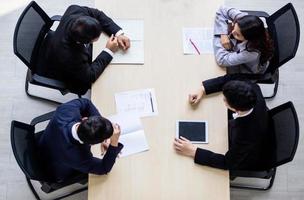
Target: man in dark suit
[67,56]
[250,138]
[66,142]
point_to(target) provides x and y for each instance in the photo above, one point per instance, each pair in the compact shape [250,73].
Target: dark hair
[84,29]
[239,95]
[253,30]
[94,130]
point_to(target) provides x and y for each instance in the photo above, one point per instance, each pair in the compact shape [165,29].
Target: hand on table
[184,147]
[112,44]
[124,42]
[194,99]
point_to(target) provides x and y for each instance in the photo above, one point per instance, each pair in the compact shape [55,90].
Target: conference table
[160,173]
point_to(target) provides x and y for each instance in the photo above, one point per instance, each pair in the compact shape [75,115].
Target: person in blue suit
[66,142]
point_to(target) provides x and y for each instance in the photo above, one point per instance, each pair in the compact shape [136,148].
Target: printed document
[138,102]
[197,41]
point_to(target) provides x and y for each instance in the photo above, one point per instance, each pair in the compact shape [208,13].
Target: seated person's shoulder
[74,9]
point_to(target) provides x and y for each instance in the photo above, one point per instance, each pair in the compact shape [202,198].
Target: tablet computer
[194,130]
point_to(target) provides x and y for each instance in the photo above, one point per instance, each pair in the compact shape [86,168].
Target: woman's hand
[225,41]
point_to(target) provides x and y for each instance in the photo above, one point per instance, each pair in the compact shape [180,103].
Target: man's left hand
[124,42]
[184,147]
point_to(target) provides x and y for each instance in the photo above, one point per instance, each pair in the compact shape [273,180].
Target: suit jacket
[65,156]
[239,59]
[65,60]
[250,139]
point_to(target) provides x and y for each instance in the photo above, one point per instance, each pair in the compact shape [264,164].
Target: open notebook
[132,134]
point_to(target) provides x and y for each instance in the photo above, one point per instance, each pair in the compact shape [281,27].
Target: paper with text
[128,122]
[198,40]
[134,142]
[138,102]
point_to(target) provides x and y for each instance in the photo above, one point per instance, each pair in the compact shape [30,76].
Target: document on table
[139,102]
[134,29]
[198,40]
[132,134]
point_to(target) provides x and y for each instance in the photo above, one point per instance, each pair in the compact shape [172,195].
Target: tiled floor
[14,104]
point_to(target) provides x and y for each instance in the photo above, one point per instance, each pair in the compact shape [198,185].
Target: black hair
[239,95]
[94,130]
[253,30]
[84,29]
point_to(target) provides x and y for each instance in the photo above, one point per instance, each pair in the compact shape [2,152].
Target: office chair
[23,141]
[285,126]
[284,29]
[31,32]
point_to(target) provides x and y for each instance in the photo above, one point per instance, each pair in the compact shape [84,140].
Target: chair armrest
[48,82]
[257,13]
[56,18]
[42,118]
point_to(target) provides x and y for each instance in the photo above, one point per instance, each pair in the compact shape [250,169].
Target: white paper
[134,29]
[200,38]
[132,133]
[128,122]
[134,142]
[134,55]
[139,102]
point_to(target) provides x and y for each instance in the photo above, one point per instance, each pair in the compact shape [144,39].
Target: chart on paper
[140,102]
[197,41]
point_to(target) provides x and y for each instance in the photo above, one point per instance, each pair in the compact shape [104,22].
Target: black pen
[151,102]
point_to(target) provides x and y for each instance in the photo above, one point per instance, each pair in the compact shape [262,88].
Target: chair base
[33,96]
[28,81]
[270,177]
[61,197]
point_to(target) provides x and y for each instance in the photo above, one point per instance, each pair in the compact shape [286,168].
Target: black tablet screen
[193,131]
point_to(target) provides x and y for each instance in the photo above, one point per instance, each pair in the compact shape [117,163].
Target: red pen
[194,46]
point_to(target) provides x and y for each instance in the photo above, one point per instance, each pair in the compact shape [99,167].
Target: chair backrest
[286,130]
[284,29]
[25,151]
[31,28]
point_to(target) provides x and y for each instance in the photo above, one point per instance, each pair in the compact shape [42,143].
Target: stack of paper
[132,134]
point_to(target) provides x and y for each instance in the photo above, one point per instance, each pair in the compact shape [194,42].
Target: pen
[151,102]
[194,46]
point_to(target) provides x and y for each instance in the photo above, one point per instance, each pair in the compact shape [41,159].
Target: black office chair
[23,141]
[284,29]
[32,28]
[285,126]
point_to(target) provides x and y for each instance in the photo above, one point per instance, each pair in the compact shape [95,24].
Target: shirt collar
[74,133]
[242,46]
[236,115]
